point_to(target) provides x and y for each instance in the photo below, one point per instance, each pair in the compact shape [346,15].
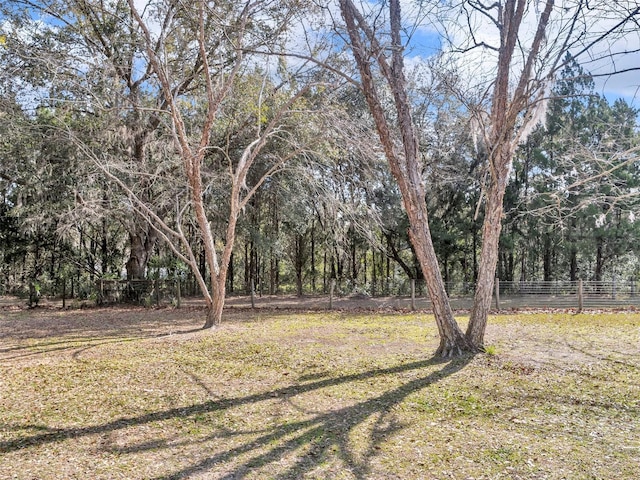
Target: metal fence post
[613,289]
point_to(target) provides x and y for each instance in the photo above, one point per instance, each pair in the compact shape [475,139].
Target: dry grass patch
[142,394]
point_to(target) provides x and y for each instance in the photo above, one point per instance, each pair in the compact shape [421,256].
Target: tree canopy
[283,145]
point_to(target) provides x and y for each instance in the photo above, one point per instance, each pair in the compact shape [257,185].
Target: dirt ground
[144,393]
[360,302]
[307,302]
[87,322]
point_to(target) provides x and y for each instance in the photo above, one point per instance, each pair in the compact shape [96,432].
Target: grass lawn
[143,394]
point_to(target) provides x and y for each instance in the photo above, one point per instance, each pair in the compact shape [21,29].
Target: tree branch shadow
[80,345]
[606,356]
[325,432]
[311,440]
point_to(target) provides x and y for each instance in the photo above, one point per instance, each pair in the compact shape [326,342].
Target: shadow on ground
[309,441]
[30,333]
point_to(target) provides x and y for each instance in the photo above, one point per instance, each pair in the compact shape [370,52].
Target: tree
[583,176]
[533,43]
[220,36]
[86,72]
[404,161]
[519,85]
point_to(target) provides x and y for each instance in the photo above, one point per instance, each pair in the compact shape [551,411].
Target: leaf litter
[143,394]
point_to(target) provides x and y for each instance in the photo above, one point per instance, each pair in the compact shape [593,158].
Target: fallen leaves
[316,395]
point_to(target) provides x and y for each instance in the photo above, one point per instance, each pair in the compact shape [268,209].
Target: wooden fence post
[156,286]
[332,287]
[580,296]
[497,282]
[413,294]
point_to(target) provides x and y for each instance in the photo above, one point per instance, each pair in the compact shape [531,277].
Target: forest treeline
[96,160]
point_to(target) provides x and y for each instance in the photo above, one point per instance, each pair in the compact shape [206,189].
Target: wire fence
[576,295]
[567,294]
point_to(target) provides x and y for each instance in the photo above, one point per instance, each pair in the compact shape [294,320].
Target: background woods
[277,146]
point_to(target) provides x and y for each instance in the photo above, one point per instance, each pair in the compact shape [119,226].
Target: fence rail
[138,291]
[535,294]
[561,294]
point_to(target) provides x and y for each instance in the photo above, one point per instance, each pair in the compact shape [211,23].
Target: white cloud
[478,65]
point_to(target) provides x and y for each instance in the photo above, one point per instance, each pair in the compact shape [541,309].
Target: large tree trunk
[142,240]
[452,341]
[216,305]
[491,229]
[506,105]
[404,162]
[141,244]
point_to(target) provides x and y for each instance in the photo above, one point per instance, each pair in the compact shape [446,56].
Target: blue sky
[426,41]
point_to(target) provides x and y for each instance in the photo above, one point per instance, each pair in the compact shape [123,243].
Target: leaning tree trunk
[489,254]
[452,341]
[404,161]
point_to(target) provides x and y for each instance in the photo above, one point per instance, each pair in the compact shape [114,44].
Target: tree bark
[452,341]
[506,106]
[404,162]
[313,257]
[299,261]
[600,259]
[141,244]
[231,273]
[491,228]
[216,305]
[547,259]
[486,269]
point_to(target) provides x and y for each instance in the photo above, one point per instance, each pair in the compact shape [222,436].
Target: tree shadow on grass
[311,440]
[44,325]
[608,355]
[81,344]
